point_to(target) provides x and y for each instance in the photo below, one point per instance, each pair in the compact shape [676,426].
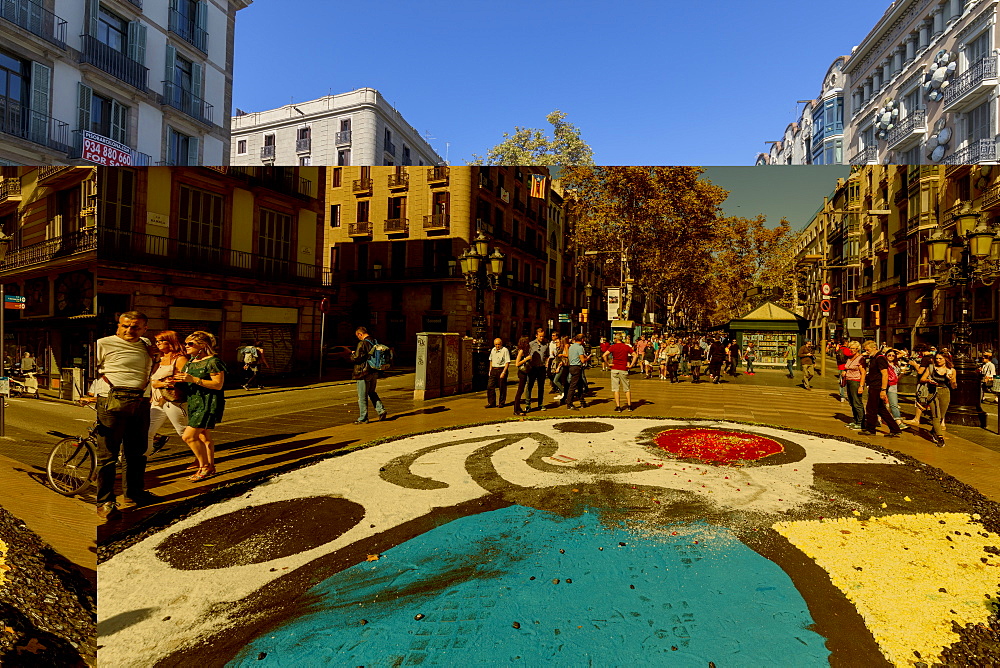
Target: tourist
[807,360]
[790,358]
[750,355]
[167,402]
[840,355]
[942,378]
[922,360]
[604,348]
[853,379]
[577,357]
[734,357]
[620,356]
[522,363]
[252,358]
[366,377]
[539,355]
[205,374]
[894,371]
[561,367]
[499,360]
[648,356]
[877,380]
[695,355]
[716,358]
[988,371]
[673,354]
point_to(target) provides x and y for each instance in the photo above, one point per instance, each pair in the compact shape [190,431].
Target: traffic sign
[564,317]
[824,306]
[15,306]
[826,290]
[14,298]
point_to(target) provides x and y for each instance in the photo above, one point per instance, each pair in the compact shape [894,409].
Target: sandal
[193,467]
[203,472]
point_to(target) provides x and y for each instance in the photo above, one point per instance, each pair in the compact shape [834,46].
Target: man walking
[499,359]
[621,357]
[578,357]
[366,376]
[877,380]
[124,362]
[538,351]
[807,359]
[252,357]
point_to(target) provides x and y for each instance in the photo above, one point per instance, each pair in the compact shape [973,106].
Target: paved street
[425,546]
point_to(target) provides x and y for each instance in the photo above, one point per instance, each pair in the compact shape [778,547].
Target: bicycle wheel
[71,466]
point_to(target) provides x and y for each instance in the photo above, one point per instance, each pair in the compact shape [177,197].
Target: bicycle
[72,463]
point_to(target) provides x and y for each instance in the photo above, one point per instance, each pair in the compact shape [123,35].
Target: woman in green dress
[205,375]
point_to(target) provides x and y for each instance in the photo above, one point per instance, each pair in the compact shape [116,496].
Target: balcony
[34,18]
[880,246]
[397,225]
[437,174]
[105,151]
[399,181]
[362,186]
[19,121]
[280,179]
[343,138]
[303,145]
[73,243]
[267,153]
[867,156]
[977,151]
[485,182]
[404,273]
[363,229]
[991,197]
[908,131]
[187,29]
[899,236]
[390,148]
[437,221]
[186,101]
[969,89]
[174,255]
[10,195]
[115,63]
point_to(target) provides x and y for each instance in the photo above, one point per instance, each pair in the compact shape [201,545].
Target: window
[363,208]
[978,123]
[335,177]
[13,93]
[437,297]
[911,157]
[911,102]
[274,241]
[344,157]
[304,133]
[439,204]
[116,198]
[387,144]
[200,220]
[334,215]
[305,161]
[268,140]
[977,49]
[407,160]
[181,149]
[868,137]
[241,147]
[112,30]
[397,208]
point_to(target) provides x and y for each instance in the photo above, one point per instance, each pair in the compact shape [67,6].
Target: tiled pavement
[767,397]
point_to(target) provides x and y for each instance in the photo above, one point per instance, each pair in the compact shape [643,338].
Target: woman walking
[749,356]
[523,365]
[893,357]
[941,376]
[167,402]
[673,352]
[853,379]
[204,375]
[791,356]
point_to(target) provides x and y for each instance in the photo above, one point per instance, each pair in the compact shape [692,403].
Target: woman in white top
[172,360]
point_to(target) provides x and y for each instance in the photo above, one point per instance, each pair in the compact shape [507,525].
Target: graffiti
[606,540]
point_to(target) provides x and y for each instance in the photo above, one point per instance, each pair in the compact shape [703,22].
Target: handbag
[174,395]
[125,400]
[925,394]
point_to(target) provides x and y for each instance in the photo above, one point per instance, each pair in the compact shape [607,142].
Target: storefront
[772,329]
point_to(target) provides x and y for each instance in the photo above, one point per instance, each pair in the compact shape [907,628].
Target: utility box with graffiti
[444,365]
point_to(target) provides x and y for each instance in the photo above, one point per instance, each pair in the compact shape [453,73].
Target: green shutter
[85,95]
[94,10]
[192,157]
[196,79]
[201,23]
[137,42]
[171,64]
[119,122]
[41,91]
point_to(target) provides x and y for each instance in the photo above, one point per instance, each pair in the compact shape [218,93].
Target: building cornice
[888,29]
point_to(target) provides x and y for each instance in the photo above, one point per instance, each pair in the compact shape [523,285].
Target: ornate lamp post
[4,245]
[588,292]
[972,253]
[482,270]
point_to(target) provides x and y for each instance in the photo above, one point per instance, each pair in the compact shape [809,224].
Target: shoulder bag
[125,400]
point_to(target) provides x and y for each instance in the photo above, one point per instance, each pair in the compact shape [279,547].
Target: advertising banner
[103,151]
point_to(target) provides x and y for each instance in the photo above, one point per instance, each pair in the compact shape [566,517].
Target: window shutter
[201,23]
[35,17]
[95,10]
[192,156]
[171,65]
[119,122]
[137,42]
[85,96]
[41,86]
[196,80]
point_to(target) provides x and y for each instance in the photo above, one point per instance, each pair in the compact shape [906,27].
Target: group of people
[673,356]
[140,385]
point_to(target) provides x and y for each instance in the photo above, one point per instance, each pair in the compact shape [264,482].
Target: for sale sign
[103,151]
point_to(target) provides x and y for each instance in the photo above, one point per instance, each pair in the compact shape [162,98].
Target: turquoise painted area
[716,600]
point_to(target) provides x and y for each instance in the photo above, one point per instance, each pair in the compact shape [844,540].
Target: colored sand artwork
[595,541]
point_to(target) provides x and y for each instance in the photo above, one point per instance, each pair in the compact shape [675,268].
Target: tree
[530,146]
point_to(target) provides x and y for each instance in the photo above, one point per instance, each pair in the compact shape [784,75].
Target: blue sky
[648,82]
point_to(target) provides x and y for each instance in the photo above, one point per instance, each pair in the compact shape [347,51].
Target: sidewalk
[767,397]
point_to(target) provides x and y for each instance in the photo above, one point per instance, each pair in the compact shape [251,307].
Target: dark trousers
[537,376]
[522,380]
[252,374]
[672,370]
[875,409]
[561,380]
[492,384]
[128,434]
[575,388]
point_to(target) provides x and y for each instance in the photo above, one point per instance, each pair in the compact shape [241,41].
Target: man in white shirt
[124,362]
[499,359]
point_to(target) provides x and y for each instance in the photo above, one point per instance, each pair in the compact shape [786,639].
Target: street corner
[47,610]
[572,541]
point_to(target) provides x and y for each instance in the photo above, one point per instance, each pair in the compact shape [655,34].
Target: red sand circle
[716,446]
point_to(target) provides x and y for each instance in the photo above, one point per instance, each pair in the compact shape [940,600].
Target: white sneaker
[842,400]
[560,396]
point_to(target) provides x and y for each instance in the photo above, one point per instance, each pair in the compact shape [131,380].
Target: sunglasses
[188,344]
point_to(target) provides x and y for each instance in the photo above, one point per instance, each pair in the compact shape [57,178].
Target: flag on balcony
[538,186]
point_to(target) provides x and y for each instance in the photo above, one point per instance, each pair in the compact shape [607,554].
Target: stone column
[897,59]
[876,80]
[450,380]
[955,11]
[887,72]
[427,382]
[925,36]
[938,16]
[868,89]
[911,47]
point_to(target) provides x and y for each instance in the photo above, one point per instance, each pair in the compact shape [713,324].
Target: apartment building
[116,82]
[354,128]
[394,236]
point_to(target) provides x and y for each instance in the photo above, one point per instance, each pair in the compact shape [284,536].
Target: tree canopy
[531,146]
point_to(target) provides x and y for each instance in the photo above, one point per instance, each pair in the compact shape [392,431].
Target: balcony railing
[867,156]
[439,173]
[137,3]
[19,121]
[437,221]
[186,28]
[992,196]
[362,186]
[174,255]
[34,18]
[303,145]
[343,137]
[977,151]
[115,63]
[401,180]
[912,126]
[979,77]
[280,179]
[390,148]
[9,189]
[359,229]
[267,152]
[188,102]
[397,225]
[80,241]
[402,273]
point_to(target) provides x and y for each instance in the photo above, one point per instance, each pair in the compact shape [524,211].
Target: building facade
[394,236]
[116,82]
[355,128]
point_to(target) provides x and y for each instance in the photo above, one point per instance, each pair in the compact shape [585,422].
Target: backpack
[250,354]
[380,357]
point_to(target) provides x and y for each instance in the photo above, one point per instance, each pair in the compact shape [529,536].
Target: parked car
[337,356]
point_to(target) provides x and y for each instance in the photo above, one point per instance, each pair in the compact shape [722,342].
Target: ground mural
[592,541]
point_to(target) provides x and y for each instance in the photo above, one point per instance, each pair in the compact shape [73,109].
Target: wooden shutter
[41,87]
[171,64]
[196,80]
[192,157]
[94,7]
[85,96]
[119,122]
[201,25]
[137,42]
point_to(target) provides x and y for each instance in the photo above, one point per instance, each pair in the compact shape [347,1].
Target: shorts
[619,377]
[696,363]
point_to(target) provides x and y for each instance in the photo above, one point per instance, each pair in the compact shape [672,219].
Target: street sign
[325,306]
[15,306]
[853,326]
[14,298]
[824,306]
[564,317]
[826,289]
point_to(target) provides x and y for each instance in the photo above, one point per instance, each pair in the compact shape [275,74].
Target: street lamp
[4,245]
[971,253]
[482,271]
